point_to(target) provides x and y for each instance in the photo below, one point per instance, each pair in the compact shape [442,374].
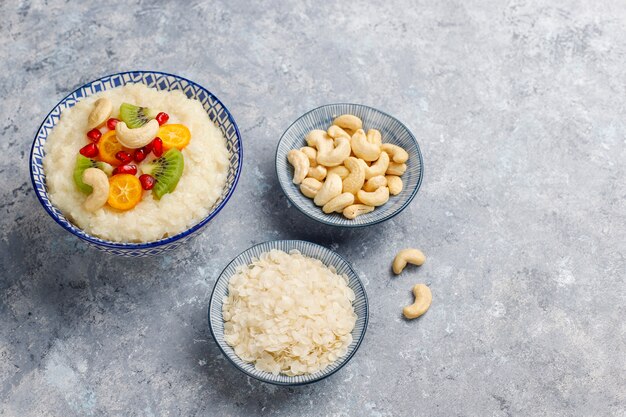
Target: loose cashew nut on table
[407,256]
[423,299]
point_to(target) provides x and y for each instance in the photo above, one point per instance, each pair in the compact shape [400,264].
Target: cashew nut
[354,181]
[100,184]
[345,170]
[374,136]
[102,109]
[396,153]
[423,299]
[379,167]
[351,212]
[363,148]
[310,187]
[411,256]
[375,198]
[396,169]
[348,122]
[375,183]
[300,164]
[318,172]
[395,184]
[335,132]
[338,203]
[311,153]
[336,155]
[319,140]
[136,138]
[340,170]
[329,190]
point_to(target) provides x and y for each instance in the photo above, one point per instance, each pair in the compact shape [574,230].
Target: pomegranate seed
[125,169]
[124,156]
[147,181]
[94,135]
[157,147]
[89,151]
[140,154]
[162,118]
[148,148]
[111,123]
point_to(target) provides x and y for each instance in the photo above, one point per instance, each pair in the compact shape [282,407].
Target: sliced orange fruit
[124,191]
[108,146]
[174,136]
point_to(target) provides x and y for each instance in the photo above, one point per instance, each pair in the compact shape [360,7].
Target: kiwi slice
[135,116]
[167,170]
[82,163]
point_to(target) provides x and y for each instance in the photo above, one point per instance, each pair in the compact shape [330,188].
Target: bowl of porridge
[136,163]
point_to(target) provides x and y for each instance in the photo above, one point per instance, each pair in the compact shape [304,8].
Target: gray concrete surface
[519,109]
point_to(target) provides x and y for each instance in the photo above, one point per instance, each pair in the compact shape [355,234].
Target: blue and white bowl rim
[345,359]
[355,225]
[156,243]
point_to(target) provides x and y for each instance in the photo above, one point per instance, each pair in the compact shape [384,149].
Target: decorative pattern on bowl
[216,111]
[392,130]
[329,258]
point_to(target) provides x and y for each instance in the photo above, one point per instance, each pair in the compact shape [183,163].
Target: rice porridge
[133,164]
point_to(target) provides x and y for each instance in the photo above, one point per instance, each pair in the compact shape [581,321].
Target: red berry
[157,147]
[162,118]
[125,169]
[111,123]
[94,135]
[140,154]
[147,181]
[89,151]
[124,156]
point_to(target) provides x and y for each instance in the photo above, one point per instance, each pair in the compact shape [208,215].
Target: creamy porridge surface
[204,176]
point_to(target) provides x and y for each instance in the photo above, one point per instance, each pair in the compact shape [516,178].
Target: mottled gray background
[519,109]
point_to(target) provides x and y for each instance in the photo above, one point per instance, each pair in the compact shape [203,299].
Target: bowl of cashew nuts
[349,165]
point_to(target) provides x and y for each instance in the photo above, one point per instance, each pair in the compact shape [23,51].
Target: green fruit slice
[82,163]
[135,116]
[167,170]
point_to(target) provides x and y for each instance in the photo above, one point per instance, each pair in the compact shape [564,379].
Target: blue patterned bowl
[216,111]
[329,258]
[392,130]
